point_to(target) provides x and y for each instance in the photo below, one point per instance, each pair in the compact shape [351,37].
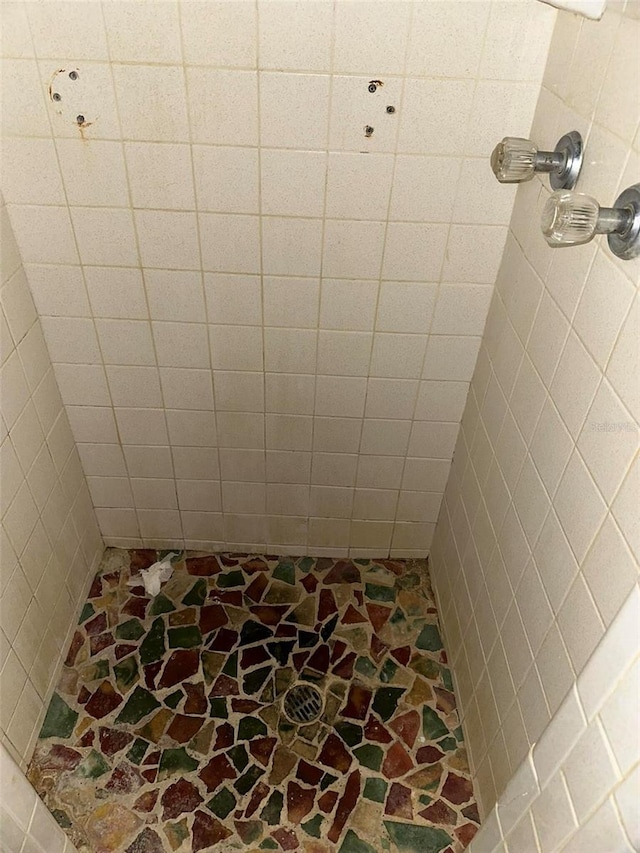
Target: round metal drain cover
[303,703]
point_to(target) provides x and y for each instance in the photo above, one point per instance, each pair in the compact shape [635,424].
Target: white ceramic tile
[152,102]
[57,291]
[424,188]
[450,357]
[615,109]
[609,588]
[160,175]
[602,828]
[31,174]
[375,535]
[292,183]
[161,524]
[140,32]
[287,499]
[291,246]
[174,295]
[92,424]
[551,446]
[240,429]
[580,623]
[236,348]
[579,505]
[134,386]
[344,353]
[498,105]
[428,475]
[116,293]
[418,506]
[375,504]
[602,308]
[290,302]
[148,461]
[461,309]
[405,307]
[186,388]
[44,234]
[414,252]
[32,351]
[125,342]
[110,492]
[17,38]
[63,31]
[334,469]
[18,307]
[371,37]
[589,758]
[354,109]
[219,33]
[195,463]
[379,472]
[71,339]
[608,441]
[288,466]
[358,185]
[223,106]
[295,36]
[398,356]
[625,798]
[167,239]
[441,400]
[244,497]
[353,249]
[82,384]
[288,432]
[385,437]
[234,299]
[547,338]
[105,236]
[329,501]
[624,507]
[230,243]
[226,179]
[505,57]
[340,395]
[625,352]
[142,426]
[348,304]
[411,539]
[617,717]
[242,465]
[289,350]
[202,529]
[446,40]
[391,398]
[191,428]
[304,122]
[574,384]
[434,116]
[432,440]
[341,435]
[154,493]
[239,392]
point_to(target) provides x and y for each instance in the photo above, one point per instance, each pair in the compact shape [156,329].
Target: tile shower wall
[50,543]
[263,322]
[26,825]
[537,544]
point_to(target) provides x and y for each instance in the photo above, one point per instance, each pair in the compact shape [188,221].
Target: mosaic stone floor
[166,731]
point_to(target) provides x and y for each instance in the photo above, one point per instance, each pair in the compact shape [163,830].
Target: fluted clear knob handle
[514,160]
[569,219]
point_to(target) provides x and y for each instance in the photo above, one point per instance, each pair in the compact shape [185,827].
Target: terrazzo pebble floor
[166,733]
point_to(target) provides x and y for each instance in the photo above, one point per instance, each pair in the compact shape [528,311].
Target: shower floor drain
[303,703]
